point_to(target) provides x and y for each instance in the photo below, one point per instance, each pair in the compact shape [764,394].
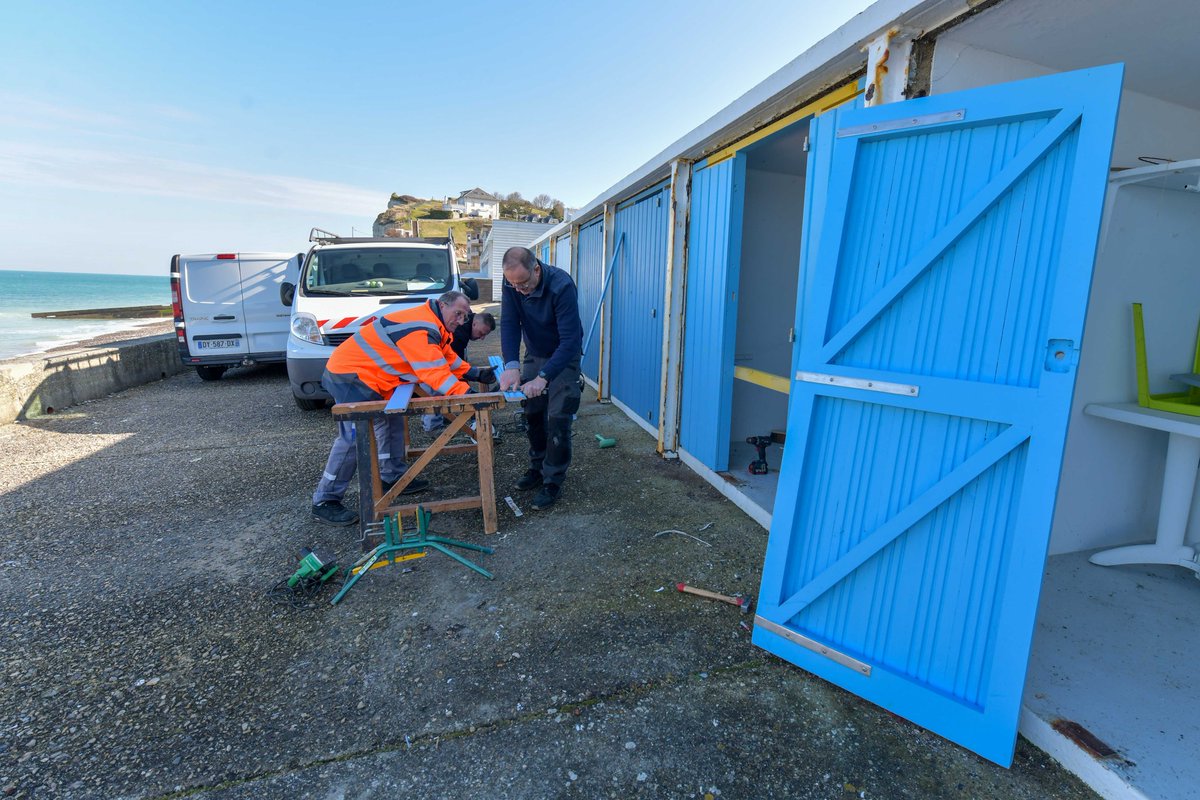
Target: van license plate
[218,344]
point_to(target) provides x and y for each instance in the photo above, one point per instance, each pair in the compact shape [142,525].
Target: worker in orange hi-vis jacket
[407,346]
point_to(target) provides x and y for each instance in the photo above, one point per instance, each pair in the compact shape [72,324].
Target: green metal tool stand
[397,540]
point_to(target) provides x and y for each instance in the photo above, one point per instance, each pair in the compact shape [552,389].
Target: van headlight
[304,328]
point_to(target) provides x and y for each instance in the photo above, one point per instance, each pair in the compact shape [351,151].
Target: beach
[152,328]
[26,293]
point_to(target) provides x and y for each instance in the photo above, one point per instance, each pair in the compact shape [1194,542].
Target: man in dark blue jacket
[539,304]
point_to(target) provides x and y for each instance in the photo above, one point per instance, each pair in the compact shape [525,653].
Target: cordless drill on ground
[759,465]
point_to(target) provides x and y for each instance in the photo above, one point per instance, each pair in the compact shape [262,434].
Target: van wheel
[210,373]
[306,404]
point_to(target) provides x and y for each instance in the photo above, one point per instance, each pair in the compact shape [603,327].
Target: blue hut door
[714,266]
[929,406]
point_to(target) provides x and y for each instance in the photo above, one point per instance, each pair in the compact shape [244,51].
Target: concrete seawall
[45,383]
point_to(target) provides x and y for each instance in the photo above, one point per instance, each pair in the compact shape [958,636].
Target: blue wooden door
[710,312]
[929,408]
[589,280]
[638,291]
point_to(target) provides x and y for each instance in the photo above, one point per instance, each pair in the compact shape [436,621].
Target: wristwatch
[542,375]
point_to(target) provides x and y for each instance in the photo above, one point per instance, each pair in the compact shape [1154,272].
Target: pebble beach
[155,328]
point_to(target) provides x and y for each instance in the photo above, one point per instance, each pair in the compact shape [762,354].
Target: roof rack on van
[438,240]
[321,235]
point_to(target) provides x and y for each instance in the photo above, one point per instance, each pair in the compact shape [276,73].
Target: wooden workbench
[373,504]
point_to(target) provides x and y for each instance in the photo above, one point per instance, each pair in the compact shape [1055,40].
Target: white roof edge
[821,67]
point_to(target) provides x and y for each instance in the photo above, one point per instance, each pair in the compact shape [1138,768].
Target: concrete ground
[143,659]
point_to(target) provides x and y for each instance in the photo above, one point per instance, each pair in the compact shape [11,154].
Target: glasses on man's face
[527,285]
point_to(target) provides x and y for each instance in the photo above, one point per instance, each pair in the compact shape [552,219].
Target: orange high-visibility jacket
[409,346]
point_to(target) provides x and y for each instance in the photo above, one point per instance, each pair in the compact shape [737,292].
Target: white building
[503,235]
[474,203]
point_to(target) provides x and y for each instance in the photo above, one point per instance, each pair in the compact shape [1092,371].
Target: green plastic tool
[315,566]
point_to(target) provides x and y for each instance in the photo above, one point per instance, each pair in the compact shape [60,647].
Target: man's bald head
[519,256]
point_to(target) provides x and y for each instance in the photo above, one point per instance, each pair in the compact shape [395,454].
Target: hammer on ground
[741,602]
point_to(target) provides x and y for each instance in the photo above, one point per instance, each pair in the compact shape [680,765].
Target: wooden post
[366,461]
[487,485]
[376,480]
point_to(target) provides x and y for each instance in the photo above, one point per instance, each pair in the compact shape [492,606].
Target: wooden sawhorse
[373,504]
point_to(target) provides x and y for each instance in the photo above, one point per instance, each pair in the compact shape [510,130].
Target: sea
[23,292]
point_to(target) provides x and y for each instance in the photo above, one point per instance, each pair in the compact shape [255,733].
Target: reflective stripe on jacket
[409,346]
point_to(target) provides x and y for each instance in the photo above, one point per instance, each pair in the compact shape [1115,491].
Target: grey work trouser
[548,419]
[389,435]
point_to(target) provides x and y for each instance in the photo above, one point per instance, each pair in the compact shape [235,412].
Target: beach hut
[884,255]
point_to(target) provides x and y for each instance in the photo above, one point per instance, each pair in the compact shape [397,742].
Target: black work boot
[332,512]
[530,480]
[547,496]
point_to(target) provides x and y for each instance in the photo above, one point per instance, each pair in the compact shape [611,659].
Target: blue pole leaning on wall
[612,265]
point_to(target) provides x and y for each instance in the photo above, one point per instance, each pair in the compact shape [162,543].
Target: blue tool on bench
[497,365]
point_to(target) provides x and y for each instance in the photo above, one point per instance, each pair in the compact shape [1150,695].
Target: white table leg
[1179,480]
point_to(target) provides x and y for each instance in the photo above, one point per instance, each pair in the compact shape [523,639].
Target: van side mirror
[470,288]
[287,293]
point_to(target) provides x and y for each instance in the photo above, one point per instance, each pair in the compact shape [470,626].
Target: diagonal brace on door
[1003,181]
[908,516]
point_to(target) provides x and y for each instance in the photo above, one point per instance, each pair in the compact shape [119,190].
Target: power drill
[759,465]
[316,566]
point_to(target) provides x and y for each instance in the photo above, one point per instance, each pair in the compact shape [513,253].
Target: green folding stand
[1186,402]
[396,540]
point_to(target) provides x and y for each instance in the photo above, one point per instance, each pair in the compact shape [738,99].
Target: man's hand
[509,380]
[535,387]
[485,375]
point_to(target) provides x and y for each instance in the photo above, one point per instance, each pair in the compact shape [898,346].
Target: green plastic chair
[1185,402]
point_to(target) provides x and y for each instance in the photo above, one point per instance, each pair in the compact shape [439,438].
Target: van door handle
[224,316]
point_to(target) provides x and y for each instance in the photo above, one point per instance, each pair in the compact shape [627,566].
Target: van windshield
[377,270]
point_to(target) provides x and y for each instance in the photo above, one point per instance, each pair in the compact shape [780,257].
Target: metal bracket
[815,646]
[905,389]
[1061,355]
[902,123]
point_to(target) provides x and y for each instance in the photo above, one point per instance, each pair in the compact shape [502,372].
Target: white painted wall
[766,297]
[1147,126]
[1112,473]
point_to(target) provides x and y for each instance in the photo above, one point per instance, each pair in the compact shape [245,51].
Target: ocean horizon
[23,292]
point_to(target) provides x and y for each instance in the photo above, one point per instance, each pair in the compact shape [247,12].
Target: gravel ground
[143,659]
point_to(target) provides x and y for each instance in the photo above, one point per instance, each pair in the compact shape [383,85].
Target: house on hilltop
[474,203]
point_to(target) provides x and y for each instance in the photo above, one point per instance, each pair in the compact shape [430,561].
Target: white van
[345,280]
[228,311]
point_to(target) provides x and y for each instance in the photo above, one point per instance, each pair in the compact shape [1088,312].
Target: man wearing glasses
[539,305]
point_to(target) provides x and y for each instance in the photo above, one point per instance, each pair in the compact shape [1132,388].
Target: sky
[131,131]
